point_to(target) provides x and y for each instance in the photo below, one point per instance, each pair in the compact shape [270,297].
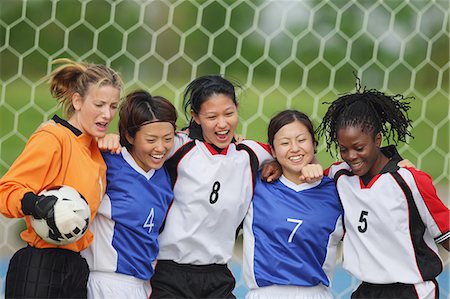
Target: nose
[159,146]
[221,122]
[108,113]
[295,147]
[351,155]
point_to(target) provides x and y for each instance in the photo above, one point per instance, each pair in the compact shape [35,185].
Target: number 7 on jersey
[299,222]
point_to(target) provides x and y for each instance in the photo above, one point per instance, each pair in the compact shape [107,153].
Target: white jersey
[212,192]
[392,224]
[291,233]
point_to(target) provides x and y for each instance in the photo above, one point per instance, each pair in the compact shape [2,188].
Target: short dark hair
[286,117]
[141,108]
[200,90]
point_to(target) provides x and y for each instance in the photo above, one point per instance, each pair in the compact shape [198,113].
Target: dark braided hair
[371,110]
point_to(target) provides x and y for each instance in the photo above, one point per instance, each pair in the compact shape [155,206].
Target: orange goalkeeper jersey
[56,154]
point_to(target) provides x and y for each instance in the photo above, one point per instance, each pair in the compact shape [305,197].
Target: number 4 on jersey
[150,222]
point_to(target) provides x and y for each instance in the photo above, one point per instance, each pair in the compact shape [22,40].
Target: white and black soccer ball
[71,217]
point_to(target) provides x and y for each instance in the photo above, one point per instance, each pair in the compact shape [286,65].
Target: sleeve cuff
[29,202]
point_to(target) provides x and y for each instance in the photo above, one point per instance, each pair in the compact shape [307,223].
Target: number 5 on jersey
[362,228]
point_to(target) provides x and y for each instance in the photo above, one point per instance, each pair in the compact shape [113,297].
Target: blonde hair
[75,77]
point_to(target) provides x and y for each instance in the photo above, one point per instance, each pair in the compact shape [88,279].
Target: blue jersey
[129,218]
[291,233]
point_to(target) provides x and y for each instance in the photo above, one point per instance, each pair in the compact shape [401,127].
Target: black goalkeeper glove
[38,206]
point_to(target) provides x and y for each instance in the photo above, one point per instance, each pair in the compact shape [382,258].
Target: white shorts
[290,292]
[115,285]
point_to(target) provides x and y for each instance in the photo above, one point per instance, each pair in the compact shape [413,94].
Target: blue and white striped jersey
[129,218]
[291,233]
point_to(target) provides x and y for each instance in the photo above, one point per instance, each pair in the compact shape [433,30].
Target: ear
[272,150]
[77,101]
[195,117]
[378,139]
[129,138]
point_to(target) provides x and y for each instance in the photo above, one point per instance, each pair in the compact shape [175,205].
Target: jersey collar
[130,160]
[391,166]
[300,187]
[214,150]
[195,132]
[66,124]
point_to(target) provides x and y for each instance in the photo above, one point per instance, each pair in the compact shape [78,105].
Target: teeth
[296,158]
[157,156]
[222,133]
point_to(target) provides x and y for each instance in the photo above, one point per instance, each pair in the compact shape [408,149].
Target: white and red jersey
[212,193]
[392,224]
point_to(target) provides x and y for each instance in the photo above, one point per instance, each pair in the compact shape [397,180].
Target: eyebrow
[152,135]
[228,109]
[296,136]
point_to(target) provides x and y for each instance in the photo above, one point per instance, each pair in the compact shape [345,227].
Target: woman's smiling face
[218,118]
[360,149]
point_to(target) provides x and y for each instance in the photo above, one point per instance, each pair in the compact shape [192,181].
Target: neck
[380,163]
[74,122]
[294,178]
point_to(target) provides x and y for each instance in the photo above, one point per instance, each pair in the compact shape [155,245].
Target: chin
[359,172]
[99,135]
[155,166]
[222,144]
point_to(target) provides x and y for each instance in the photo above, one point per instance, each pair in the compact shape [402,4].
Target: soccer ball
[71,217]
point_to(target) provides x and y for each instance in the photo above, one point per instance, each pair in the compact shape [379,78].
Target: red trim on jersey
[437,209]
[265,146]
[326,172]
[370,184]
[224,151]
[213,151]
